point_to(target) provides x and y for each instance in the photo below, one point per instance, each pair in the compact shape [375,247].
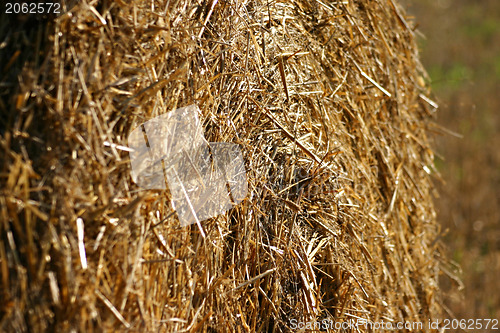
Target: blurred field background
[461,51]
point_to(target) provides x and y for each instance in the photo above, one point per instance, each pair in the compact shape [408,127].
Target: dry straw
[328,103]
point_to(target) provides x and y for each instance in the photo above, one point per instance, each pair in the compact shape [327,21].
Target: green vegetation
[461,52]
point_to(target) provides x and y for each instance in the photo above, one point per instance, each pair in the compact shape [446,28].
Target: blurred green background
[460,48]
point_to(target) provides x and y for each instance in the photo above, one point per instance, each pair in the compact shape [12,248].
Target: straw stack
[329,105]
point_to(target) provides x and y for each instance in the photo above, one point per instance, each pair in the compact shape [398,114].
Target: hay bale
[328,103]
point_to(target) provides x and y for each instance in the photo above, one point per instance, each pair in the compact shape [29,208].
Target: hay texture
[328,103]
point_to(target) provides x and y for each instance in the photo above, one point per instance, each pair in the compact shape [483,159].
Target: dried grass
[329,105]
